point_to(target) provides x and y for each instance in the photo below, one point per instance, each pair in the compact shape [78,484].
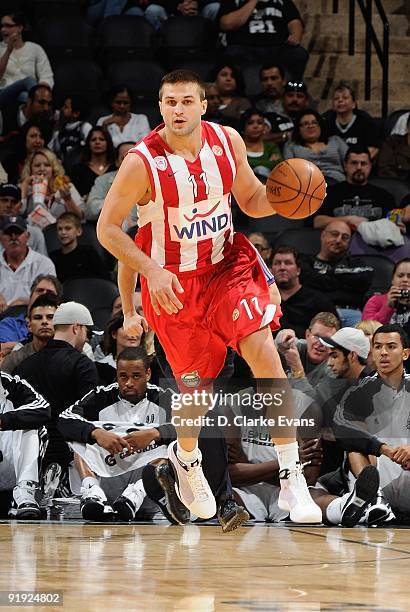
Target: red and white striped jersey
[187,224]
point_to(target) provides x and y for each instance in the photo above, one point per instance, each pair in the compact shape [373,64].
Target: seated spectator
[368,327]
[75,260]
[299,304]
[62,373]
[19,265]
[262,155]
[22,428]
[350,124]
[393,306]
[214,102]
[39,108]
[14,328]
[372,418]
[310,141]
[72,131]
[295,99]
[394,158]
[158,11]
[115,341]
[22,64]
[97,10]
[307,358]
[31,137]
[261,244]
[231,86]
[272,80]
[355,200]
[332,271]
[256,31]
[123,125]
[57,193]
[102,184]
[41,329]
[98,157]
[10,206]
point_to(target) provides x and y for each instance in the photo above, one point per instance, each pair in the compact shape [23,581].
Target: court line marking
[368,544]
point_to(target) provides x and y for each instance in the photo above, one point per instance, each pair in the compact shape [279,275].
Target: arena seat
[97,294]
[77,76]
[67,36]
[391,120]
[398,189]
[188,37]
[142,76]
[383,270]
[124,36]
[305,240]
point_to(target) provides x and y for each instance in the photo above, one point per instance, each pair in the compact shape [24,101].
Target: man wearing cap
[61,372]
[19,264]
[10,205]
[346,359]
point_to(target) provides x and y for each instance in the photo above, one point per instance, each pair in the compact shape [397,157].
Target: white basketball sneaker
[24,494]
[294,497]
[191,486]
[92,503]
[129,502]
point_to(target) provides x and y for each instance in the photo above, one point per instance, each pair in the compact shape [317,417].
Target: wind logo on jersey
[199,221]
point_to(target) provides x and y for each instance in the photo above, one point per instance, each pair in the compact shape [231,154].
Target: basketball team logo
[191,379]
[217,150]
[160,162]
[235,315]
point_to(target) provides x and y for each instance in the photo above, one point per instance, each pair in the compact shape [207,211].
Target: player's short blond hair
[183,76]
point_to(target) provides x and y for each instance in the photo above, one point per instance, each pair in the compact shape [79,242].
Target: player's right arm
[131,185]
[134,324]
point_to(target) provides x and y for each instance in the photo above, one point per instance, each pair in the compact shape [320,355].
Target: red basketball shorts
[220,307]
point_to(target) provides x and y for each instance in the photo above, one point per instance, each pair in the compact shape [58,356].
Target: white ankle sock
[334,509]
[89,481]
[187,456]
[288,455]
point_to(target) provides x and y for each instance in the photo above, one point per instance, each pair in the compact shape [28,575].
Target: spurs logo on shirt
[187,225]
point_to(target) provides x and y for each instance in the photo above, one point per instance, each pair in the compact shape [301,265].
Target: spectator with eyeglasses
[22,64]
[311,142]
[333,272]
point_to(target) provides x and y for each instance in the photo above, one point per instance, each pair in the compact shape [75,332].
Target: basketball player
[203,288]
[23,440]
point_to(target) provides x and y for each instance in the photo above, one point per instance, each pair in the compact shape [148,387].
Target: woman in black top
[98,157]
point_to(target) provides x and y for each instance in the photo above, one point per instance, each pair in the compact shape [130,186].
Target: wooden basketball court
[162,567]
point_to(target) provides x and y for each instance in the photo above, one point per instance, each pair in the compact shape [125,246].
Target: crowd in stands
[343,274]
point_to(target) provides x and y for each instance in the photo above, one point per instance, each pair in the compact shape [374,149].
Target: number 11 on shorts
[255,305]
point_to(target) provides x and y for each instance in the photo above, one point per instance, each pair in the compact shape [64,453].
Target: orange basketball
[296,188]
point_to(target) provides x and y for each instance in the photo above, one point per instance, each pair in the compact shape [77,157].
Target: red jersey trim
[148,168]
[228,138]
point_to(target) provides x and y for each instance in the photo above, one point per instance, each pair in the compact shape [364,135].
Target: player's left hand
[402,454]
[161,286]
